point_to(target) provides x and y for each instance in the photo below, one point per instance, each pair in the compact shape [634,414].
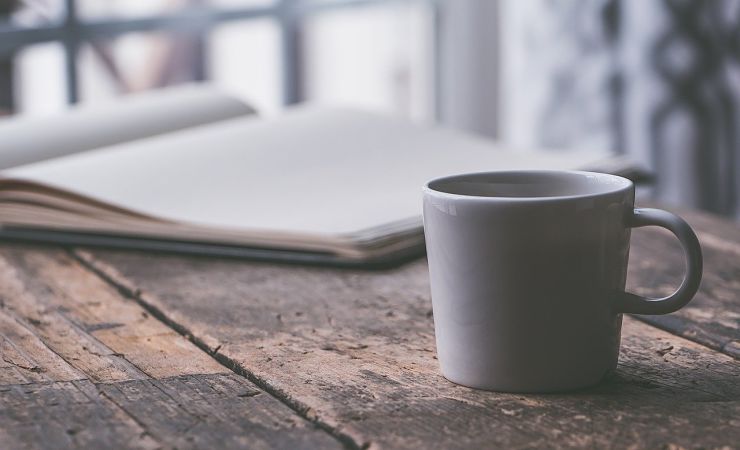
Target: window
[376,54]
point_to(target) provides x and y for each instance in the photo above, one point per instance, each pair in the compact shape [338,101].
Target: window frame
[72,31]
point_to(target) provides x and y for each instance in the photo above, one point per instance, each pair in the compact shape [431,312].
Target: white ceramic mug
[528,271]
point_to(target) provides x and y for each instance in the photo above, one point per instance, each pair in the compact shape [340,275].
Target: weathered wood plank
[215,411]
[656,269]
[355,350]
[86,321]
[63,415]
[25,359]
[189,411]
[84,367]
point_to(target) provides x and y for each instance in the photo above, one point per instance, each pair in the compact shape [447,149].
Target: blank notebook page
[309,171]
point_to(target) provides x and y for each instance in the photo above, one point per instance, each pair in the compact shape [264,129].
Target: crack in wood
[249,394]
[299,408]
[102,326]
[35,369]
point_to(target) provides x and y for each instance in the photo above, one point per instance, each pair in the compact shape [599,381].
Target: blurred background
[658,81]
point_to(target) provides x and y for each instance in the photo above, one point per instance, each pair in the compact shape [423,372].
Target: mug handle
[626,302]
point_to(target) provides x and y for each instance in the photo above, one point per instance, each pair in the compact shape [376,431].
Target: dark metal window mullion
[291,52]
[71,43]
[200,42]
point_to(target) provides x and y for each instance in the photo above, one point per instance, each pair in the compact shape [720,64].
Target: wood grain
[25,359]
[355,351]
[84,367]
[84,320]
[66,414]
[190,411]
[656,269]
[214,411]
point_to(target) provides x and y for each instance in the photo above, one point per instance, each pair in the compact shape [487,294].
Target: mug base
[514,388]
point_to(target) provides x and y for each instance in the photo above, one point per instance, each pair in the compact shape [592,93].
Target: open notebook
[319,185]
[26,140]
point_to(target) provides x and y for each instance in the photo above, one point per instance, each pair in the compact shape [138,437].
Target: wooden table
[104,349]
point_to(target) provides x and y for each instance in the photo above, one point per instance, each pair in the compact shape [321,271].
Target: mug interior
[530,184]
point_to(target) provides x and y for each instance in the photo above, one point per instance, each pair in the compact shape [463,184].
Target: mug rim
[623,184]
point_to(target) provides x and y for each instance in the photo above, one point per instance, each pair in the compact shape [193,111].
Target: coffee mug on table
[528,273]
